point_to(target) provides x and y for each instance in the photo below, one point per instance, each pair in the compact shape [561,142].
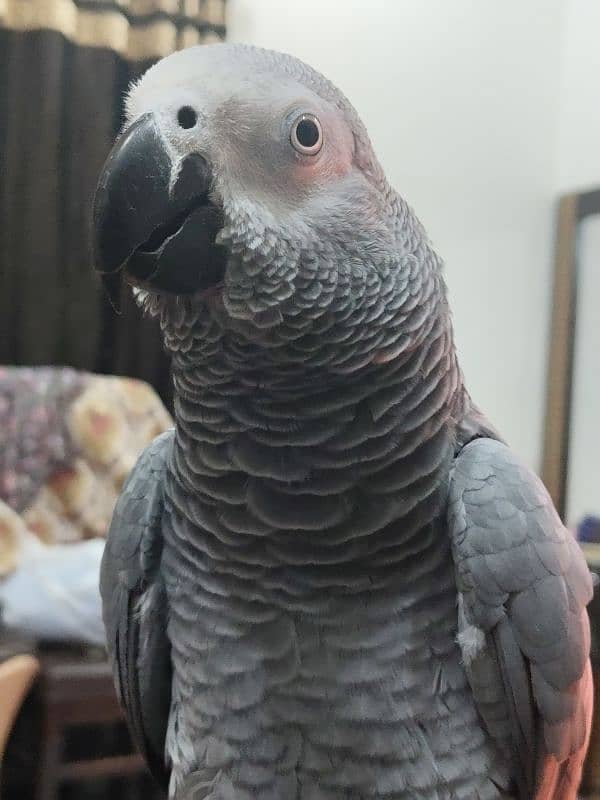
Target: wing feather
[523,581]
[134,605]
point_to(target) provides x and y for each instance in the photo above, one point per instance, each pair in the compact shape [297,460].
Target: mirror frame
[572,210]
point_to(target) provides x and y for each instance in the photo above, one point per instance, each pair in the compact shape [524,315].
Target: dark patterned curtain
[64,68]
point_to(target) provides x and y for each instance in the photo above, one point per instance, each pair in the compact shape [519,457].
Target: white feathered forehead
[227,69]
[225,66]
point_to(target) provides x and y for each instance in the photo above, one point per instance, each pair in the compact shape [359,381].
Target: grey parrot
[332,579]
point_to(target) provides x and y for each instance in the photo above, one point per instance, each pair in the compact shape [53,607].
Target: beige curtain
[136,29]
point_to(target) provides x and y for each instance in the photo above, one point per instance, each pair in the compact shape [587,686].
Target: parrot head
[245,182]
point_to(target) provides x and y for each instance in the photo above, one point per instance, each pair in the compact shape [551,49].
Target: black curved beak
[159,232]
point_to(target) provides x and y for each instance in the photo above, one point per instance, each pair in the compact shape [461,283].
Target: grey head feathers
[327,266]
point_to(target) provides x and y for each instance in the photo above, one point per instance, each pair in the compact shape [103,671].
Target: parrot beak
[160,233]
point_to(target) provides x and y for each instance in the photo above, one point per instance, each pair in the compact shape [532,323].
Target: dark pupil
[187,117]
[307,133]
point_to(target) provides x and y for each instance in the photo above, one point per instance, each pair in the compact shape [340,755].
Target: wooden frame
[572,210]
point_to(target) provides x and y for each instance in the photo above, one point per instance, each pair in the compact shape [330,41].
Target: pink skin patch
[322,166]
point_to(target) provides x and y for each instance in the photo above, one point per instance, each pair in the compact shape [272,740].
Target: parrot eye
[307,135]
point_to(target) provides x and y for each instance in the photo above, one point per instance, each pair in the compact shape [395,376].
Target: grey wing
[523,588]
[134,605]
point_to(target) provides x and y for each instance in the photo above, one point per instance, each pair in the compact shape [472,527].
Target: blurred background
[486,117]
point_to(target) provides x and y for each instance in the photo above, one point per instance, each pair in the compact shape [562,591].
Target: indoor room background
[486,118]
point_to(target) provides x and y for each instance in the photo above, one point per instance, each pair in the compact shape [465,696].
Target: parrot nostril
[187,117]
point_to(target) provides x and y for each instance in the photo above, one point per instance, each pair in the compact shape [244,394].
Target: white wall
[460,99]
[578,147]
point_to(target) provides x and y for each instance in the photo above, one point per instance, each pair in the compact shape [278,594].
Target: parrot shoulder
[523,587]
[134,604]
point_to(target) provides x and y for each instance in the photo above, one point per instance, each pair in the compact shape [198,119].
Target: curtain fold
[65,66]
[136,29]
